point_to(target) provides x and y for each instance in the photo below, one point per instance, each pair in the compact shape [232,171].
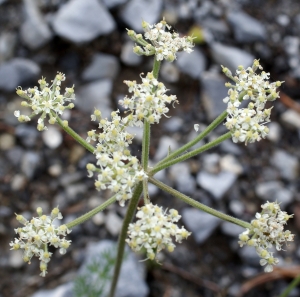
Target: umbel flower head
[148,101]
[267,230]
[248,124]
[39,233]
[163,44]
[116,169]
[153,230]
[46,101]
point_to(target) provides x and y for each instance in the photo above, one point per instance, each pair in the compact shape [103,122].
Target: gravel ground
[88,43]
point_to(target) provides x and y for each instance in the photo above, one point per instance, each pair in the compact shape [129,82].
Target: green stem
[198,205]
[190,154]
[121,243]
[204,133]
[145,191]
[146,145]
[72,133]
[156,67]
[291,286]
[91,213]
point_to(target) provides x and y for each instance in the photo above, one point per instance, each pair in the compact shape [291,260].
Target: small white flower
[247,124]
[267,230]
[153,230]
[37,234]
[46,101]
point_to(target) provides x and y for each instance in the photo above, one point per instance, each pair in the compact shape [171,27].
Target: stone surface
[65,290]
[173,124]
[291,118]
[28,135]
[113,3]
[82,21]
[35,32]
[274,191]
[16,72]
[245,27]
[52,137]
[101,66]
[230,57]
[200,223]
[231,229]
[216,184]
[213,92]
[131,281]
[8,42]
[128,57]
[184,181]
[274,132]
[287,164]
[148,11]
[29,164]
[95,95]
[169,72]
[165,143]
[113,223]
[192,64]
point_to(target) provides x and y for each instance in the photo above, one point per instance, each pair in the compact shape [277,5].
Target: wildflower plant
[128,176]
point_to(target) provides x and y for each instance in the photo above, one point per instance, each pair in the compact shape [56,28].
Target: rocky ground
[87,41]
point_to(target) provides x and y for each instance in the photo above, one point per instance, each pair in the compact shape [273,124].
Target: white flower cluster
[46,101]
[153,230]
[37,234]
[267,230]
[119,171]
[148,101]
[247,124]
[163,44]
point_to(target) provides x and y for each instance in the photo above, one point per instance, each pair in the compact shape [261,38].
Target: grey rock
[237,207]
[15,259]
[230,163]
[128,57]
[165,143]
[27,134]
[137,132]
[95,95]
[113,3]
[245,27]
[192,64]
[184,181]
[113,223]
[249,255]
[217,27]
[283,20]
[16,72]
[70,178]
[228,146]
[82,21]
[74,191]
[101,66]
[274,191]
[291,45]
[18,182]
[65,290]
[14,155]
[169,72]
[231,229]
[174,124]
[274,132]
[216,184]
[52,137]
[29,164]
[287,164]
[200,223]
[131,281]
[211,163]
[7,141]
[148,11]
[230,57]
[291,118]
[8,42]
[213,93]
[34,31]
